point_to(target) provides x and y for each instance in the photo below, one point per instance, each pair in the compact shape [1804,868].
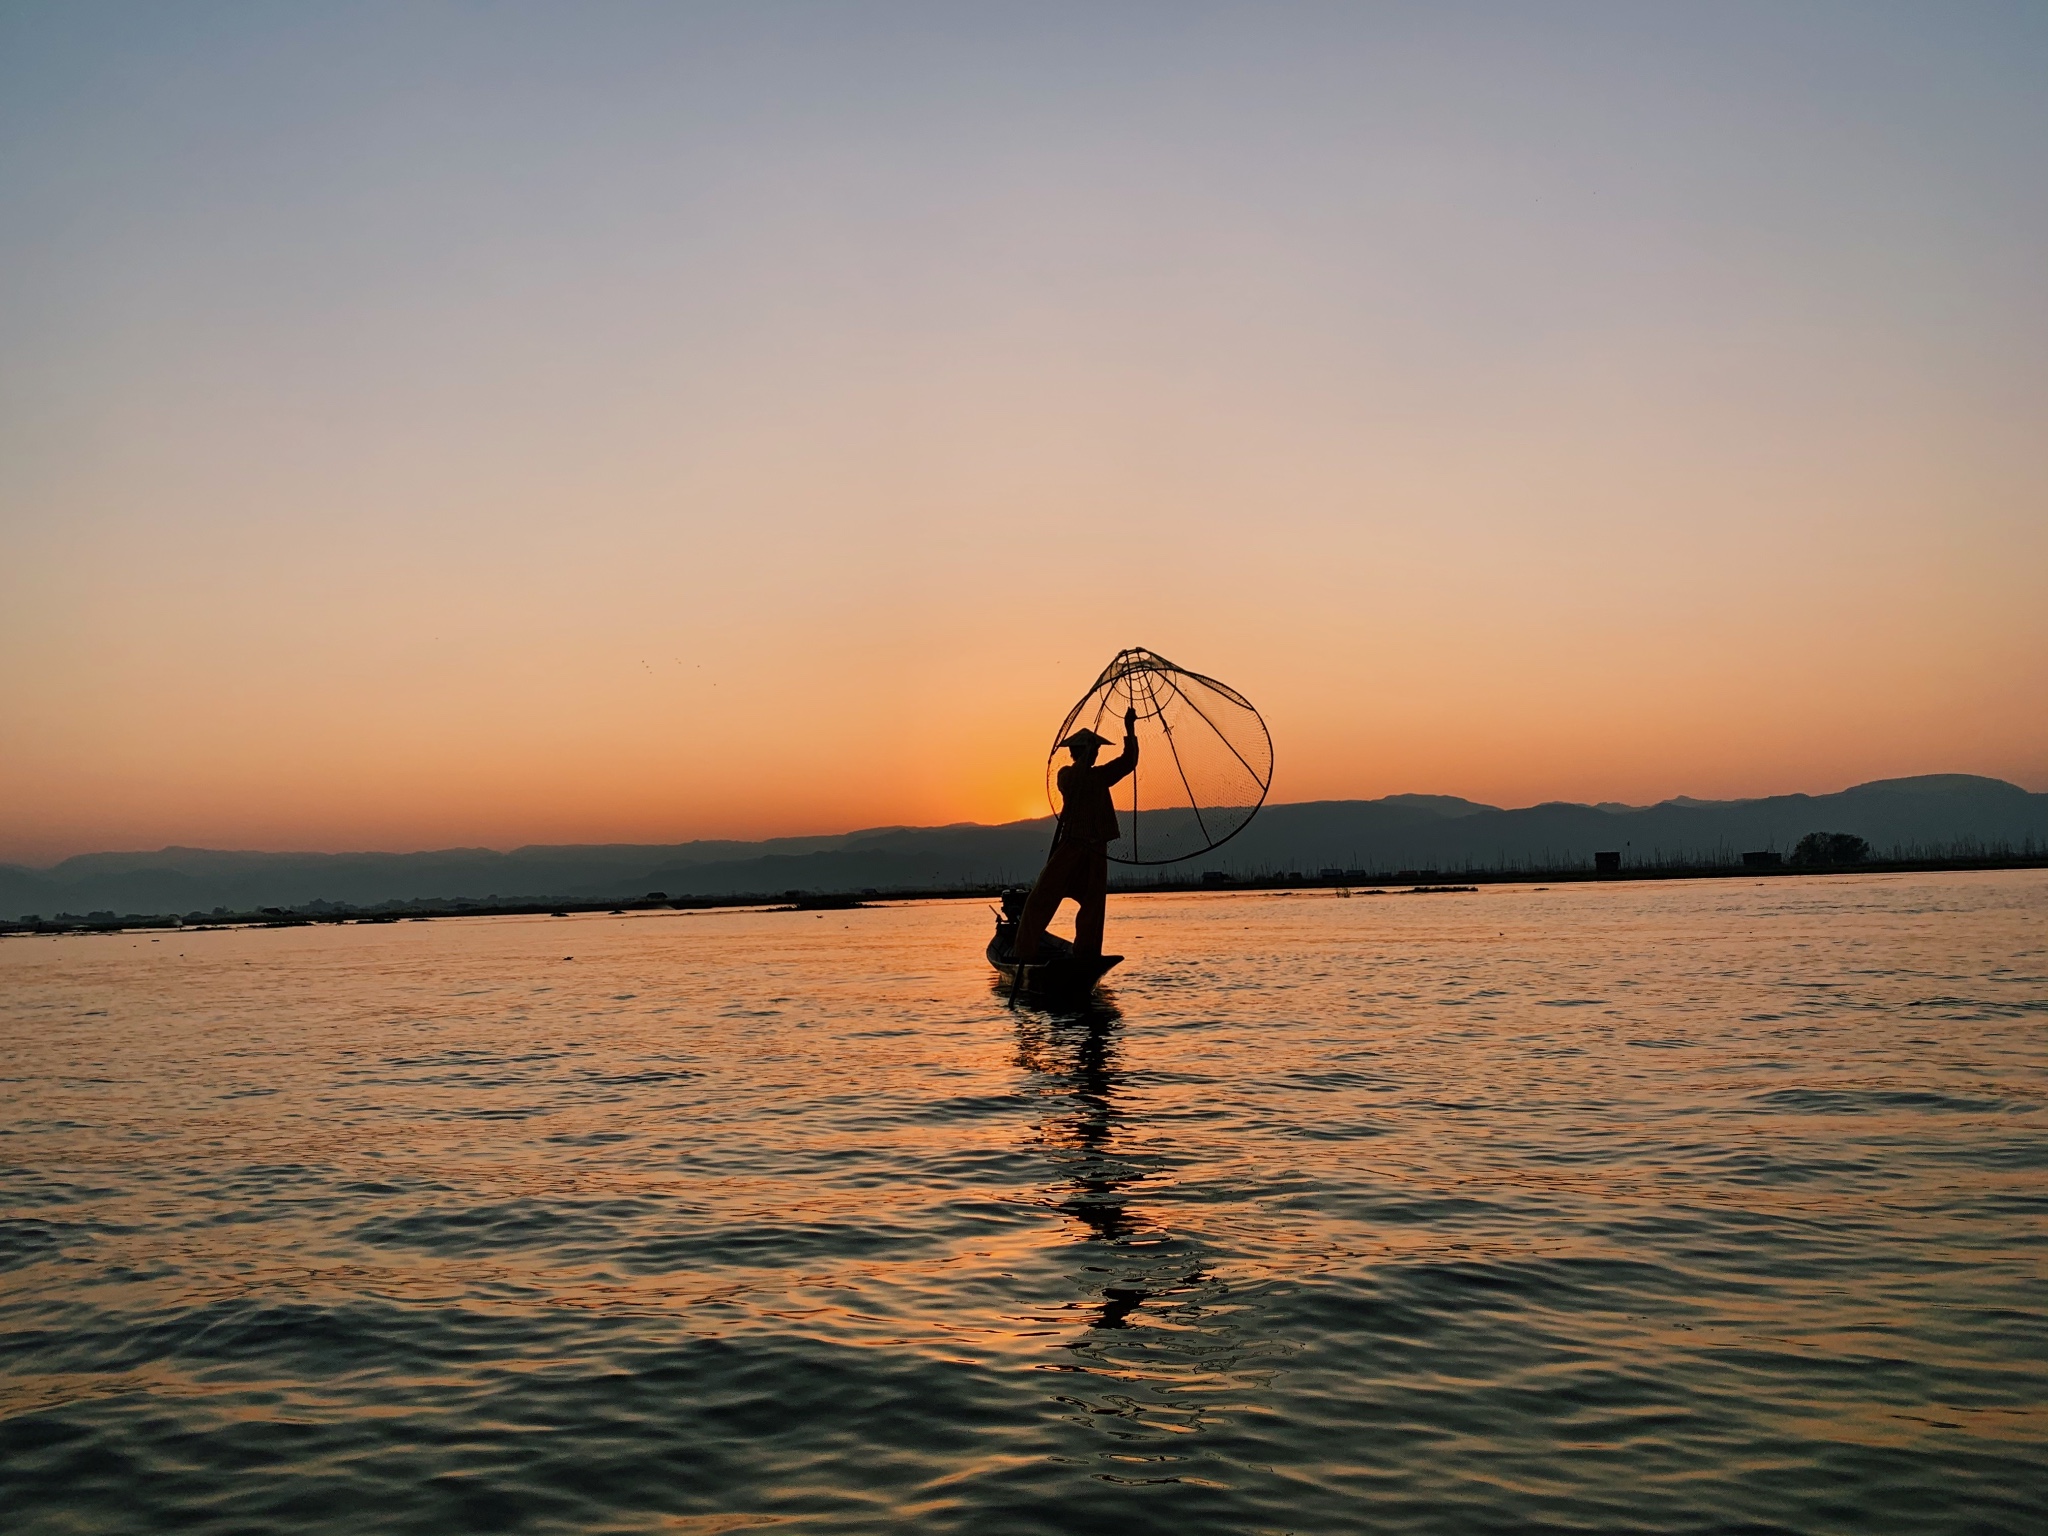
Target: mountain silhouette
[1913,817]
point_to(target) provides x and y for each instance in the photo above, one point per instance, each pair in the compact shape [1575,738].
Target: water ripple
[1688,1207]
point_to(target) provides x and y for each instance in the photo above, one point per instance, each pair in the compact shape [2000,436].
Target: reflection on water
[1076,1054]
[1126,1258]
[1157,1377]
[1679,1207]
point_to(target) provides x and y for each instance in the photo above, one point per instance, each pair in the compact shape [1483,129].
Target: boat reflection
[1130,1257]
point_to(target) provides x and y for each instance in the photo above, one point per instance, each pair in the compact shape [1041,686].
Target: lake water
[1704,1206]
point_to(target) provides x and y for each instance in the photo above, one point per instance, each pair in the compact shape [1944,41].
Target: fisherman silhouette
[1078,865]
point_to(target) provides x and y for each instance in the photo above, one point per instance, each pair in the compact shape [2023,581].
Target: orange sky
[650,428]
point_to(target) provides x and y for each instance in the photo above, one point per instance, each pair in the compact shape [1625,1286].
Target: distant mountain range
[1940,813]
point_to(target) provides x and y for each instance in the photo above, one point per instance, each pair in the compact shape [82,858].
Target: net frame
[1141,674]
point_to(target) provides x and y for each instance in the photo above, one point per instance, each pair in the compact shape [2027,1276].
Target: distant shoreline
[1948,820]
[1403,882]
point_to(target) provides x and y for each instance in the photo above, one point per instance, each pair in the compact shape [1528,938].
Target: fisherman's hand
[1131,721]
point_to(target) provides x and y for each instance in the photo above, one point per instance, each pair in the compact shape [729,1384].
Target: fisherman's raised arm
[1119,768]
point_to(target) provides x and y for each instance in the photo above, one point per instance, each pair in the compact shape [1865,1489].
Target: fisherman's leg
[1043,901]
[1092,891]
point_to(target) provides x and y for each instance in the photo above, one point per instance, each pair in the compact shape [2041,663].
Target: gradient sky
[483,424]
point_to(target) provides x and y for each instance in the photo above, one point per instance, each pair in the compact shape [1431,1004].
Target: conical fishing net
[1204,758]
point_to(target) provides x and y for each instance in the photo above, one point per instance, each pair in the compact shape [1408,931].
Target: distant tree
[1830,848]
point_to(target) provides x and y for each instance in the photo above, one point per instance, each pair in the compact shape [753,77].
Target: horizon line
[1681,800]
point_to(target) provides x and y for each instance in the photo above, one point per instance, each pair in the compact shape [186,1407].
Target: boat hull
[1057,972]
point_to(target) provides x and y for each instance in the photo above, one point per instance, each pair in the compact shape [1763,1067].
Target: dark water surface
[1678,1207]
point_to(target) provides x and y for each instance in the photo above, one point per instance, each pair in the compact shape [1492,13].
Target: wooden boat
[1057,972]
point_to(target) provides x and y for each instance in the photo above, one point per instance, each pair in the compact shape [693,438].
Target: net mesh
[1205,760]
